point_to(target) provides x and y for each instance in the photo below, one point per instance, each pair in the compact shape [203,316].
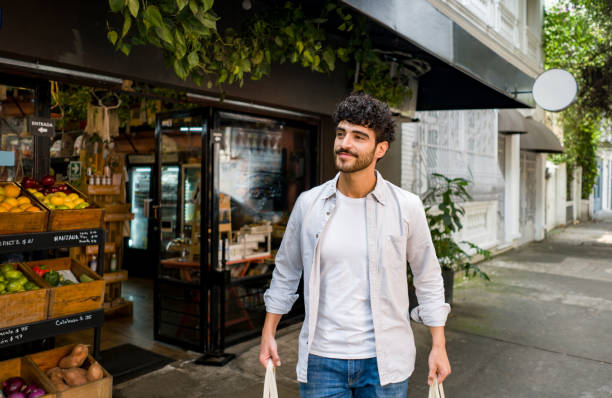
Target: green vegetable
[66,282]
[6,268]
[52,278]
[84,278]
[13,274]
[13,287]
[2,278]
[2,287]
[30,286]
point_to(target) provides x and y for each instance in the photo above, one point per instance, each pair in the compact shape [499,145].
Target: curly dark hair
[364,110]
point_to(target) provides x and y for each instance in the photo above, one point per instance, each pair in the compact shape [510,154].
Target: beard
[358,163]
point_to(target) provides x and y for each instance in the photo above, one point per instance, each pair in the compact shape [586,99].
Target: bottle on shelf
[113,263]
[93,263]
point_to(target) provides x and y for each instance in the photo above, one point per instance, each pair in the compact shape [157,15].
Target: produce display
[70,373]
[11,200]
[59,278]
[14,281]
[60,196]
[16,387]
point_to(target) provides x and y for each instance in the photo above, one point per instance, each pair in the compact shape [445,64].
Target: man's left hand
[438,363]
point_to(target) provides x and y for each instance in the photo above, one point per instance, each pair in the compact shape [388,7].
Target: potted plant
[443,211]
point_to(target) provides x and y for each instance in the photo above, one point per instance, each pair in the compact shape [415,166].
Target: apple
[28,182]
[63,188]
[47,180]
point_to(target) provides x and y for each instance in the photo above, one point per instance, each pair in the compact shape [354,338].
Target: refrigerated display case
[140,185]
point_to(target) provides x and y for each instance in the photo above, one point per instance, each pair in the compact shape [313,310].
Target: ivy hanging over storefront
[192,44]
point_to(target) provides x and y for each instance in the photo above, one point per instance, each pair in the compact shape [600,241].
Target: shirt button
[317,236]
[327,213]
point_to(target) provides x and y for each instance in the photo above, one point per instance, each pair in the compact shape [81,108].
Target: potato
[75,377]
[76,358]
[57,378]
[94,372]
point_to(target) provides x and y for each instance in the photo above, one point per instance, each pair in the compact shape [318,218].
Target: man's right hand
[268,350]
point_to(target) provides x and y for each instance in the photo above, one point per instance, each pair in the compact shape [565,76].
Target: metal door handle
[146,207]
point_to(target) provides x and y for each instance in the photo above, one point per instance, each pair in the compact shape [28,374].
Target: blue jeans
[346,378]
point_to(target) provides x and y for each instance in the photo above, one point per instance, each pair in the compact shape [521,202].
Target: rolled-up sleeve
[428,282]
[281,295]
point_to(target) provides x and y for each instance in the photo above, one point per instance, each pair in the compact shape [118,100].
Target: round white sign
[555,90]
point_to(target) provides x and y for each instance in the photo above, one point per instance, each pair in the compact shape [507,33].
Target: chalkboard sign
[51,327]
[50,240]
[41,126]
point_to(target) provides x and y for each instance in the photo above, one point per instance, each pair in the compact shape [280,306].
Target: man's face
[355,147]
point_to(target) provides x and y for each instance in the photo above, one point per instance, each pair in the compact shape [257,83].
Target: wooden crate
[67,219]
[16,223]
[102,388]
[24,307]
[27,370]
[76,298]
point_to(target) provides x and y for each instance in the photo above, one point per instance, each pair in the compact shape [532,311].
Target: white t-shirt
[345,329]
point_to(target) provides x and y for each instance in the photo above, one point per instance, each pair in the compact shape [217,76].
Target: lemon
[16,210]
[25,206]
[11,191]
[57,200]
[23,200]
[38,195]
[69,205]
[12,202]
[60,193]
[72,196]
[3,209]
[33,209]
[77,201]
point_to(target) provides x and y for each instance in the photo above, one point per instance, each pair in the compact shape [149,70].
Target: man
[352,237]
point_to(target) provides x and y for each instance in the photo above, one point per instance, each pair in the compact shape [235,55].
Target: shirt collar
[378,192]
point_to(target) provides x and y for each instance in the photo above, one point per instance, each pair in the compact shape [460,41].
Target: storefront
[211,184]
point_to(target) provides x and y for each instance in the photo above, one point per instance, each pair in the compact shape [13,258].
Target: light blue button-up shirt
[397,232]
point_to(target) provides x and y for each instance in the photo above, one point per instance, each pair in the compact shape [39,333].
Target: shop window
[16,143]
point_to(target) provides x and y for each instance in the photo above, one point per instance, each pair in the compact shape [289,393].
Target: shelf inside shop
[118,217]
[108,248]
[25,333]
[103,189]
[115,277]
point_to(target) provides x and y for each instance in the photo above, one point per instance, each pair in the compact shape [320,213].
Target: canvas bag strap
[270,381]
[436,390]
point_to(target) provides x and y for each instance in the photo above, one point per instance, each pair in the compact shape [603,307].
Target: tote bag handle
[436,390]
[270,381]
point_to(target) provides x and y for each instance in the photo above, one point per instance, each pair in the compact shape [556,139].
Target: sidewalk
[541,328]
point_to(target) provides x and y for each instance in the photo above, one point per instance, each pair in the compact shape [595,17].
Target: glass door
[181,300]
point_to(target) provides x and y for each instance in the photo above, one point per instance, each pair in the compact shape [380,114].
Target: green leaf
[125,49]
[300,46]
[181,4]
[134,6]
[179,69]
[342,27]
[192,60]
[112,36]
[258,57]
[153,17]
[193,5]
[278,41]
[209,84]
[245,65]
[198,79]
[330,58]
[127,23]
[116,5]
[223,76]
[179,44]
[208,4]
[165,34]
[209,21]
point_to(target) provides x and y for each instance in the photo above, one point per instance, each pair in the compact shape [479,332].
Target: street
[540,328]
